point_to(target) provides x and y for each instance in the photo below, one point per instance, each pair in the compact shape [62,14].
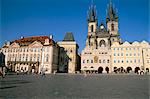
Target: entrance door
[107,69]
[100,70]
[129,69]
[137,69]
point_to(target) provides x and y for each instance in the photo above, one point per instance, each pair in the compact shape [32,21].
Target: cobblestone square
[65,86]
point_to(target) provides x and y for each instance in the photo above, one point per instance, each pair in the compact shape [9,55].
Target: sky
[56,17]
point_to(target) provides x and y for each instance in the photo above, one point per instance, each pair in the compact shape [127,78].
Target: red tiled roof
[28,40]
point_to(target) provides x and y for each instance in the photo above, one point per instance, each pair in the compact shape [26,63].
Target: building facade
[100,54]
[31,55]
[130,56]
[40,54]
[71,50]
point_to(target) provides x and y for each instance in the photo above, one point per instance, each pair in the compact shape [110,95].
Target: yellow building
[130,56]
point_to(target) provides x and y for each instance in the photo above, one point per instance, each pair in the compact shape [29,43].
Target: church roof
[102,31]
[69,37]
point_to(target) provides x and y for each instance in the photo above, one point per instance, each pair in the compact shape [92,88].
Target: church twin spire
[92,17]
[111,13]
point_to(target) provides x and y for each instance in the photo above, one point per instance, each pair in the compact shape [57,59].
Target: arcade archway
[100,70]
[137,70]
[129,69]
[107,69]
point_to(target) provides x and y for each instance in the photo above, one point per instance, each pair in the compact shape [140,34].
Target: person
[1,74]
[42,73]
[85,74]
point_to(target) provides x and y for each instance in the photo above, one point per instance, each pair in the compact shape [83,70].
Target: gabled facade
[32,55]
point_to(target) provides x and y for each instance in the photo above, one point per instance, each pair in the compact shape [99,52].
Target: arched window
[102,43]
[112,27]
[92,28]
[47,58]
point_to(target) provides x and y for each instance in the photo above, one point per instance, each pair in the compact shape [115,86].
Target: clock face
[102,27]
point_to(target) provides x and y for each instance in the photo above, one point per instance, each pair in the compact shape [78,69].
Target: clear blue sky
[56,17]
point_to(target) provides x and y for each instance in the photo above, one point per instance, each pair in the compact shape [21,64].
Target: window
[87,61]
[47,57]
[112,27]
[108,61]
[130,61]
[39,49]
[147,61]
[135,61]
[139,60]
[130,54]
[114,54]
[103,61]
[118,61]
[127,61]
[92,28]
[38,58]
[91,61]
[83,61]
[114,61]
[121,54]
[122,61]
[31,57]
[99,61]
[27,57]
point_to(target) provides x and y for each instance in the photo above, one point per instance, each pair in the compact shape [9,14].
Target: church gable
[35,44]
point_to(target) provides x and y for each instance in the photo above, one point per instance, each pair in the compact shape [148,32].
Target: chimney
[22,37]
[51,36]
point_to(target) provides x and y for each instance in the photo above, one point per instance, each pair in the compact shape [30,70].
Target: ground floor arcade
[23,67]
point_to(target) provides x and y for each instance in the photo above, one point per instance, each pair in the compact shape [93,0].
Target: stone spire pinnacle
[111,12]
[92,17]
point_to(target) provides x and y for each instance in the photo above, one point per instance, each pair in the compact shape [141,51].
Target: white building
[32,54]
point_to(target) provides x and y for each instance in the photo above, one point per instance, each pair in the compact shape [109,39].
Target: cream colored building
[104,50]
[131,56]
[71,49]
[32,55]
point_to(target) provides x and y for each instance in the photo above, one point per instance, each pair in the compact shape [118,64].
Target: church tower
[92,25]
[112,23]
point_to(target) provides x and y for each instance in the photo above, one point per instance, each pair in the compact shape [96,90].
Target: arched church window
[112,27]
[102,43]
[92,28]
